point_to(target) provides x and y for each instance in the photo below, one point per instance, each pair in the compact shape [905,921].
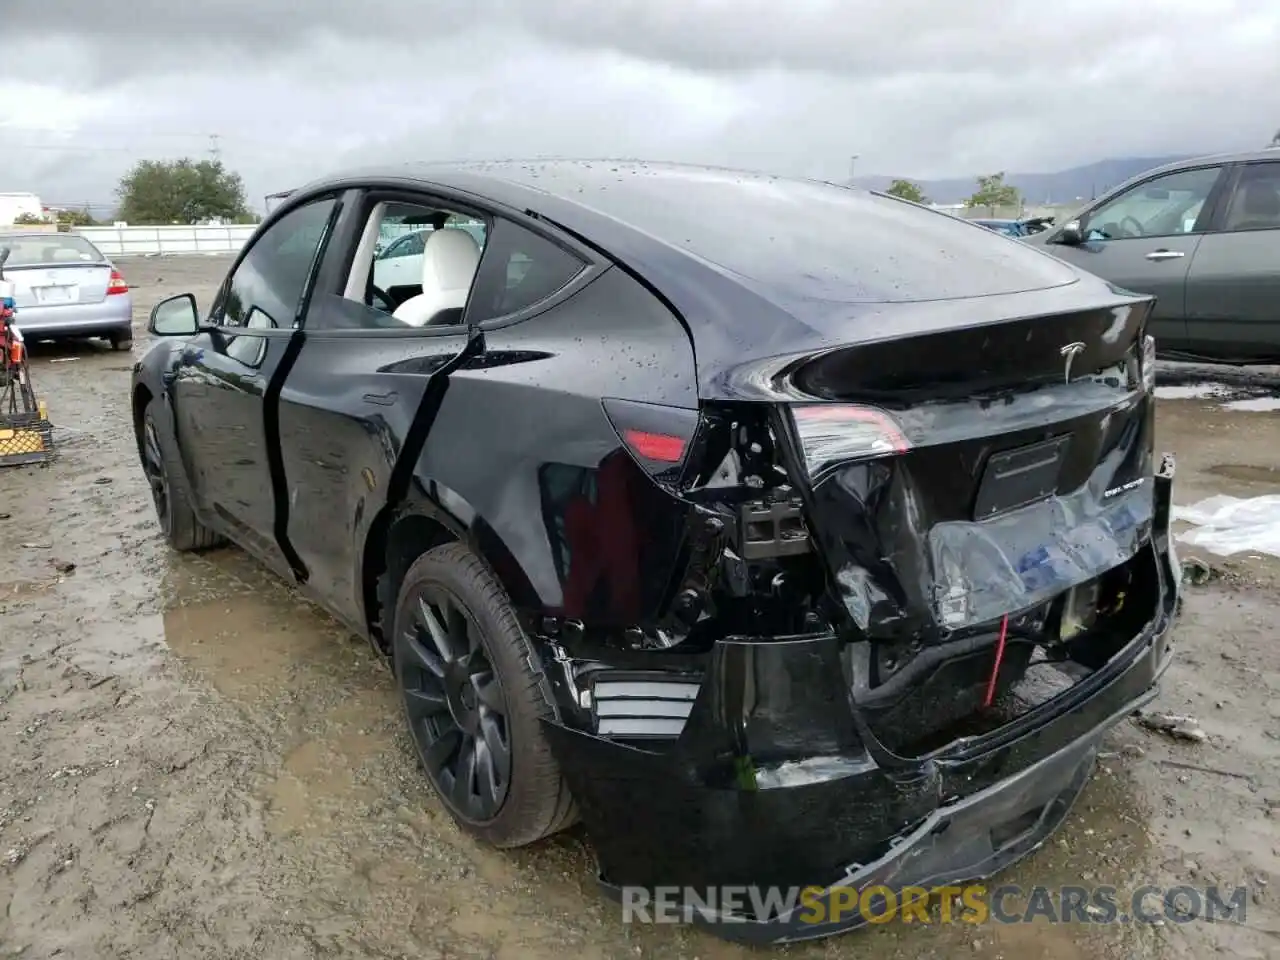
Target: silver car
[1203,237]
[65,287]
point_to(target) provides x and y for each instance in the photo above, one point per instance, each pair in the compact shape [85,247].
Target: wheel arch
[140,400]
[401,532]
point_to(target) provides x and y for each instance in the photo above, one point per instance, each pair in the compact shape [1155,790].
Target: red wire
[995,668]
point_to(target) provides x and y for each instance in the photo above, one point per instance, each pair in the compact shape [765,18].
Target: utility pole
[853,164]
[215,150]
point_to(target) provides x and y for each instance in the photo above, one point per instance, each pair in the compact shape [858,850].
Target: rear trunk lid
[59,284]
[959,475]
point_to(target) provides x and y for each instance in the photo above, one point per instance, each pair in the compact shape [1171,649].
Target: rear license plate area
[1018,477]
[55,294]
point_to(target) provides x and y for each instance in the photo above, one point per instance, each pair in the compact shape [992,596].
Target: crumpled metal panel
[1019,559]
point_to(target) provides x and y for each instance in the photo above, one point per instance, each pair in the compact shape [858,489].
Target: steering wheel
[1137,231]
[379,294]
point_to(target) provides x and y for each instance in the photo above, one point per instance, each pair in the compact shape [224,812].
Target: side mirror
[175,317]
[1071,234]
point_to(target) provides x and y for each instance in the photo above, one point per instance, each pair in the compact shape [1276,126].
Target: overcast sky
[918,88]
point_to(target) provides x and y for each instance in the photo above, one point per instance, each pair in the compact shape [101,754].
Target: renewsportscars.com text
[972,904]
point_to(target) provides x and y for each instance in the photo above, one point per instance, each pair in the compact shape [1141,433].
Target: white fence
[156,241]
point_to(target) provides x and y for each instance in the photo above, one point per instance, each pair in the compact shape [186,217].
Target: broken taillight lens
[657,436]
[832,433]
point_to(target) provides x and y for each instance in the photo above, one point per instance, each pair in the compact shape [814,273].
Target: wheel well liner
[400,534]
[141,398]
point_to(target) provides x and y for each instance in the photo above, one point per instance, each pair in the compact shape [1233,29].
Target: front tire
[474,702]
[169,491]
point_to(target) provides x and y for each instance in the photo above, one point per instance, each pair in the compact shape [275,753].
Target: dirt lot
[197,764]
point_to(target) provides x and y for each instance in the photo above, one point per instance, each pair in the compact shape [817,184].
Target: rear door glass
[519,269]
[1255,202]
[41,249]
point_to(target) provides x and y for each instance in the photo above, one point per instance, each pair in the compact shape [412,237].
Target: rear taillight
[657,436]
[1148,363]
[116,284]
[832,433]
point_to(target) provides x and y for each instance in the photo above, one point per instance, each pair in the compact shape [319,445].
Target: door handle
[1165,255]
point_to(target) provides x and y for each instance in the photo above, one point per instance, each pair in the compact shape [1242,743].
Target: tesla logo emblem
[1070,352]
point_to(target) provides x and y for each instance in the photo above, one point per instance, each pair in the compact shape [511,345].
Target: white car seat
[449,261]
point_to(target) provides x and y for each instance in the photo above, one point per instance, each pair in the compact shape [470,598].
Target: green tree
[77,218]
[906,190]
[28,220]
[993,192]
[180,191]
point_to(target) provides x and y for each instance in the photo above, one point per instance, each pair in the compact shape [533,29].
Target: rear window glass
[42,248]
[804,240]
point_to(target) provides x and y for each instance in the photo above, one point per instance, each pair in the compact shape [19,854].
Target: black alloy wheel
[454,702]
[154,470]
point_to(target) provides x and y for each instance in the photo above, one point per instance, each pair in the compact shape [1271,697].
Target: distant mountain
[1064,187]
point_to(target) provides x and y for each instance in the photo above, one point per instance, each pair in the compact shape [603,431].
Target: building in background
[14,206]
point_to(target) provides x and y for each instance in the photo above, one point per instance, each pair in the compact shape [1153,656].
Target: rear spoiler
[273,200]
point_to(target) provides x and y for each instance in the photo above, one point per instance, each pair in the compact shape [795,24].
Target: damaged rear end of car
[925,566]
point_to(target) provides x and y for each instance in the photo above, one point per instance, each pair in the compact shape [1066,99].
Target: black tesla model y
[785,534]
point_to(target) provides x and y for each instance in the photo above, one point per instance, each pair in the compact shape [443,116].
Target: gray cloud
[917,88]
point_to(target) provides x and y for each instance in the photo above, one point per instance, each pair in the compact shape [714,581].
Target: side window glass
[1162,207]
[422,279]
[1255,203]
[270,280]
[519,269]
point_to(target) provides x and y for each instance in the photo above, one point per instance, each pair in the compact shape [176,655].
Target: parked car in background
[1016,228]
[1203,237]
[65,287]
[398,261]
[823,560]
[1010,228]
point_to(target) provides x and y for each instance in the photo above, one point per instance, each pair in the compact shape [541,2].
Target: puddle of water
[1190,391]
[1255,404]
[320,784]
[1246,472]
[16,589]
[1250,399]
[1228,525]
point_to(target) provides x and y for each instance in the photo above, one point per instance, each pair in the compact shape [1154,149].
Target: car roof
[628,209]
[25,234]
[1247,156]
[46,235]
[750,261]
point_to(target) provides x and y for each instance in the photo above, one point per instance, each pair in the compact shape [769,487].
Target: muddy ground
[194,763]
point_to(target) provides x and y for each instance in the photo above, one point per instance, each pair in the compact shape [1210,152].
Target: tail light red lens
[116,284]
[833,433]
[657,436]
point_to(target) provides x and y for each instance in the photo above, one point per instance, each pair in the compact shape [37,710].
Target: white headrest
[449,259]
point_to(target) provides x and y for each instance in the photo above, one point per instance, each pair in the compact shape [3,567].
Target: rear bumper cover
[773,784]
[112,313]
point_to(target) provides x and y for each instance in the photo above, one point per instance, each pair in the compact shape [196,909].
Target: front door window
[1164,206]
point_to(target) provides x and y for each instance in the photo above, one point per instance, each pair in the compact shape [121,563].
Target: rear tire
[474,702]
[122,340]
[169,492]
